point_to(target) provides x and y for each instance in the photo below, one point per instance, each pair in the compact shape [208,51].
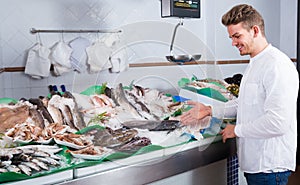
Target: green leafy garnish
[99,118]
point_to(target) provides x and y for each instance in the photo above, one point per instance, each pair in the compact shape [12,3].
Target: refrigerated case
[149,167]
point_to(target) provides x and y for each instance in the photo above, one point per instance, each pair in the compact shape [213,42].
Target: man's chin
[243,54]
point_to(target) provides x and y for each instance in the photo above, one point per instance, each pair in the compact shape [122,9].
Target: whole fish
[164,125]
[32,166]
[135,144]
[13,168]
[123,135]
[42,109]
[77,117]
[61,104]
[102,137]
[142,124]
[37,117]
[40,164]
[9,117]
[167,125]
[25,169]
[55,113]
[49,160]
[120,98]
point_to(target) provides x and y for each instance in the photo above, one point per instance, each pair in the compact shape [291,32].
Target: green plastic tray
[209,92]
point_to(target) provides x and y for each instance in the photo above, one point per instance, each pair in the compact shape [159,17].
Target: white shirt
[266,125]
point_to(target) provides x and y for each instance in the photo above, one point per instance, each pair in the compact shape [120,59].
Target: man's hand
[196,113]
[228,132]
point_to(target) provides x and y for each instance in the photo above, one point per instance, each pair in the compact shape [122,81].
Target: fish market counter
[156,165]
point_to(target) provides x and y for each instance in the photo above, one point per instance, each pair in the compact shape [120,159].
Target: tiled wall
[17,17]
[143,43]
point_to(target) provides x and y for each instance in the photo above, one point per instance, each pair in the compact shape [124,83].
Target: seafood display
[28,131]
[85,126]
[151,104]
[219,86]
[42,112]
[29,159]
[121,105]
[222,90]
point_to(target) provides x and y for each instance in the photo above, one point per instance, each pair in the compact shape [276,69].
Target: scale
[180,9]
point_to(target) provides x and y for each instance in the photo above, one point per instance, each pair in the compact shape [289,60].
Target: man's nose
[233,42]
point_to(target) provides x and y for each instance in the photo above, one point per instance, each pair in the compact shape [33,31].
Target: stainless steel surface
[183,58]
[180,58]
[174,33]
[163,167]
[34,31]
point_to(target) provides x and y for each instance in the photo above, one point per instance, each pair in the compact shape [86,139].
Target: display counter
[145,168]
[156,165]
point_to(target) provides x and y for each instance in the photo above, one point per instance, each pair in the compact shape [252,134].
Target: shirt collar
[261,53]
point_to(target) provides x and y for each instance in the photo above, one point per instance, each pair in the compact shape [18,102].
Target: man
[266,127]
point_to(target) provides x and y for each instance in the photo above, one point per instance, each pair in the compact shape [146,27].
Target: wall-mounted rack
[34,31]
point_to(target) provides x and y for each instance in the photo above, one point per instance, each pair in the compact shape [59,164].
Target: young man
[266,127]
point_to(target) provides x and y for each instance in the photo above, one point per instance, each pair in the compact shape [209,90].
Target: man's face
[241,38]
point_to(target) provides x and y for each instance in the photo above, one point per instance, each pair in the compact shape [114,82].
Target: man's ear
[256,30]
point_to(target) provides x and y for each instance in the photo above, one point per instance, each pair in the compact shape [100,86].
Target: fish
[55,114]
[22,157]
[49,160]
[40,153]
[77,117]
[32,165]
[102,137]
[123,135]
[167,125]
[141,124]
[69,110]
[5,163]
[60,103]
[42,109]
[120,98]
[164,125]
[10,116]
[55,157]
[3,170]
[68,117]
[37,117]
[45,148]
[10,151]
[40,164]
[25,169]
[135,144]
[29,159]
[13,168]
[140,106]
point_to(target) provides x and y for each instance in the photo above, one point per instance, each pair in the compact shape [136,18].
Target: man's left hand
[228,132]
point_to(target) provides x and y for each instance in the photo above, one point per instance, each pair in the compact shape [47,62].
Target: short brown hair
[246,14]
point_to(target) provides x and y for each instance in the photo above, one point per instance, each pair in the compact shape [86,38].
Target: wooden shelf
[153,64]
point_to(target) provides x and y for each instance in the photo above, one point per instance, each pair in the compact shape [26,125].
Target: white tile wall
[147,42]
[17,17]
